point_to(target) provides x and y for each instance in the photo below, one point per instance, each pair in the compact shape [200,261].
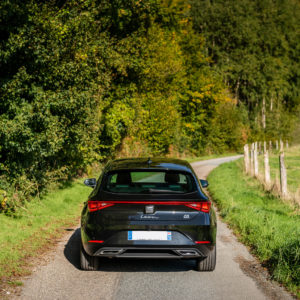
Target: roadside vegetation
[35,227]
[270,227]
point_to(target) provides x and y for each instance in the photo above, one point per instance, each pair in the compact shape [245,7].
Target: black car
[148,208]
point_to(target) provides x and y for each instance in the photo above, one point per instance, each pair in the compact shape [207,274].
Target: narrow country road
[237,274]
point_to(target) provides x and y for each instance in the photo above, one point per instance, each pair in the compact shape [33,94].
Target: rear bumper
[149,252]
[116,244]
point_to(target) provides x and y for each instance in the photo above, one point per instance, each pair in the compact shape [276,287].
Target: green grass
[34,227]
[263,222]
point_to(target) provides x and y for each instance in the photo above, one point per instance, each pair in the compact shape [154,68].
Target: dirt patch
[226,239]
[262,279]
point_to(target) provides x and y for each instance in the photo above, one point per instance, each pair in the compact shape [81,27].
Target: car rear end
[149,214]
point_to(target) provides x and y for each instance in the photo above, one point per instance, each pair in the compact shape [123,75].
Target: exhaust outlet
[111,252]
[188,252]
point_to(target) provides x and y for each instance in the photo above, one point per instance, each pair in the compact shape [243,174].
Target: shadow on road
[71,253]
[72,247]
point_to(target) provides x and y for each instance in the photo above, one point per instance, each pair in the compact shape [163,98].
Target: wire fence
[257,164]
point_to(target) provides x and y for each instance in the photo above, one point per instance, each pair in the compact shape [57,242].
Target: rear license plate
[149,235]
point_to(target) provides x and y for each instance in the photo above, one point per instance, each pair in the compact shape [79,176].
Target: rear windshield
[147,182]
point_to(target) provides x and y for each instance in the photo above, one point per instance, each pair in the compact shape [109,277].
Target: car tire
[208,263]
[87,262]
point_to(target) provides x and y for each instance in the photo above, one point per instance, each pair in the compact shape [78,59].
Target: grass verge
[36,226]
[268,226]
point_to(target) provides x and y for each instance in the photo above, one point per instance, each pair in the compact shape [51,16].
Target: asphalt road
[237,275]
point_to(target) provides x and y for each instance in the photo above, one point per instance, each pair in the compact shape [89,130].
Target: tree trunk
[237,90]
[271,105]
[287,144]
[276,143]
[265,146]
[267,168]
[270,146]
[263,117]
[283,176]
[246,158]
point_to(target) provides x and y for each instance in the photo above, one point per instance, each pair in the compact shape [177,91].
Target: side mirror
[204,183]
[91,182]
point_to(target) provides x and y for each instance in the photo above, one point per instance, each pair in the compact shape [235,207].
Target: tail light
[202,242]
[96,241]
[200,206]
[97,205]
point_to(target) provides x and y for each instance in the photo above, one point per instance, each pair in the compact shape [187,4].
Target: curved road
[237,275]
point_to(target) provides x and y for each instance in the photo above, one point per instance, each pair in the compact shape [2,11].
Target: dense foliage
[255,45]
[85,80]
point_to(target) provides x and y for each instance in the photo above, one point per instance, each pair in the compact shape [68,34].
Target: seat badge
[149,209]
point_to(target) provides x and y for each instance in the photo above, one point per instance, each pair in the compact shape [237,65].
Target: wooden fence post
[281,145]
[252,159]
[255,161]
[246,158]
[267,168]
[283,176]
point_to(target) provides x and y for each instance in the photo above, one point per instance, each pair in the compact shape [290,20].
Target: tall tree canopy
[87,80]
[255,46]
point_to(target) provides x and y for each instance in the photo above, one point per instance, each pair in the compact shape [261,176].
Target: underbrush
[268,226]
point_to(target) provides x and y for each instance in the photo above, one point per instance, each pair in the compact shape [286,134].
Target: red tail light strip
[202,242]
[200,206]
[97,205]
[94,241]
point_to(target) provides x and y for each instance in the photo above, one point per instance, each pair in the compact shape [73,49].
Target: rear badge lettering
[149,217]
[186,216]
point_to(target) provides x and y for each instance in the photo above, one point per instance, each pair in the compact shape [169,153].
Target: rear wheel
[87,262]
[208,263]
